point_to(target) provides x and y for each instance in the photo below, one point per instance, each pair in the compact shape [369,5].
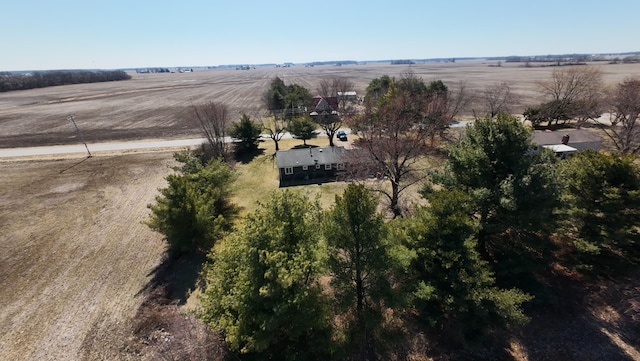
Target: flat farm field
[74,256]
[157,106]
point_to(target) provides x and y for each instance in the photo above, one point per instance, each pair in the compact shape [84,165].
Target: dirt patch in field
[74,255]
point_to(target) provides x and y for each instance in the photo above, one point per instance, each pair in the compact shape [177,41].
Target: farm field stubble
[157,106]
[73,253]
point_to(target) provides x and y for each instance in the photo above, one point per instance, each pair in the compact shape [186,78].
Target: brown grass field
[74,257]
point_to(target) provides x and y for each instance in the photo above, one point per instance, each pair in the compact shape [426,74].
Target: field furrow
[74,252]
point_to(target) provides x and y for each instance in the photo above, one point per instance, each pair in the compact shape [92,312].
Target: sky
[116,34]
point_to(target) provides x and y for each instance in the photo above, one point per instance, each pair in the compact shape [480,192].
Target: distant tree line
[573,58]
[9,82]
[402,62]
[153,70]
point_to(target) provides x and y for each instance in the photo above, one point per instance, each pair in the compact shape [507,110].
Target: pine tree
[247,133]
[262,286]
[602,210]
[195,209]
[514,193]
[455,289]
[359,264]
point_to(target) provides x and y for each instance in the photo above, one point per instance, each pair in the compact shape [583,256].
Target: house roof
[309,156]
[325,103]
[575,136]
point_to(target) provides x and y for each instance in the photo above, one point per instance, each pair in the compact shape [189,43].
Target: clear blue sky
[74,34]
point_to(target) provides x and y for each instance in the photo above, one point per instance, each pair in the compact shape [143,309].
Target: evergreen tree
[287,101]
[514,190]
[602,209]
[455,288]
[248,134]
[360,266]
[297,101]
[377,88]
[302,128]
[195,209]
[273,97]
[262,287]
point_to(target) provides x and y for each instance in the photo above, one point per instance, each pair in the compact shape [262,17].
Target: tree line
[42,79]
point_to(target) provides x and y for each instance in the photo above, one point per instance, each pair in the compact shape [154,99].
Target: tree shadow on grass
[589,321]
[247,157]
[304,146]
[177,275]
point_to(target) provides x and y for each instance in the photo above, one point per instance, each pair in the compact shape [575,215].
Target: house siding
[311,175]
[315,159]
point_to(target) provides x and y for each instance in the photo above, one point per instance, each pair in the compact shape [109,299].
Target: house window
[327,167]
[317,166]
[340,166]
[288,170]
[305,167]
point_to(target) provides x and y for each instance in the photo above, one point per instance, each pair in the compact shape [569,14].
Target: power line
[72,119]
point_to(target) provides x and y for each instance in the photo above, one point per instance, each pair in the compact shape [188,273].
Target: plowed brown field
[156,106]
[73,252]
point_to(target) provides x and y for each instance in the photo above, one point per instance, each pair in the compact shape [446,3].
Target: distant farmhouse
[348,96]
[310,165]
[566,143]
[325,106]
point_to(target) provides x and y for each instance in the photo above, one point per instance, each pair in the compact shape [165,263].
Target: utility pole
[73,121]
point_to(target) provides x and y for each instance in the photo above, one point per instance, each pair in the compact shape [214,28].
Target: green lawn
[258,178]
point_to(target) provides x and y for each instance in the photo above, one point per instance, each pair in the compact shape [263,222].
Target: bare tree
[332,119]
[213,118]
[459,99]
[275,126]
[498,98]
[393,133]
[329,119]
[572,93]
[342,88]
[325,88]
[443,105]
[624,130]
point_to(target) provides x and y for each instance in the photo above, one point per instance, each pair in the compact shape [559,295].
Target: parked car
[342,135]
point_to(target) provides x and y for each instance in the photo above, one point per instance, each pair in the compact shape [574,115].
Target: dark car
[342,135]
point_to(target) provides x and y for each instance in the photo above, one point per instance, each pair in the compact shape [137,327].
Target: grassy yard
[259,178]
